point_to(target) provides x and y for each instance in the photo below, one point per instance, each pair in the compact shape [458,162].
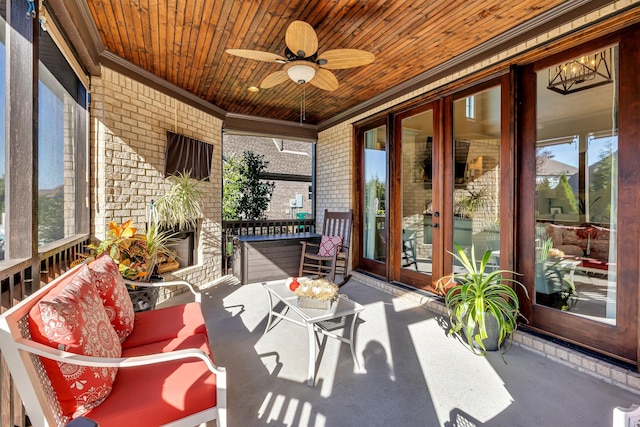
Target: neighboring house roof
[552,167]
[285,156]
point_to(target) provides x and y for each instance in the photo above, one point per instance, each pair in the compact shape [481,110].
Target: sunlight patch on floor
[401,304]
[286,411]
[470,387]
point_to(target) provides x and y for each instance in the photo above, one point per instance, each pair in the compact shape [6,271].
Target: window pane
[62,143]
[51,166]
[576,186]
[375,173]
[476,213]
[417,191]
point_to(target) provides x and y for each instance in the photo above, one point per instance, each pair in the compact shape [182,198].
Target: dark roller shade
[185,154]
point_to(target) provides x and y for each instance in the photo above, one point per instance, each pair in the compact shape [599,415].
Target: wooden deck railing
[231,229]
[17,282]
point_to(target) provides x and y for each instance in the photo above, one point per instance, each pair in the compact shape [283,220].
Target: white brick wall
[129,121]
[334,177]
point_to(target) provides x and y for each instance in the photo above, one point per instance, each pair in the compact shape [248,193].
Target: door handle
[436,225]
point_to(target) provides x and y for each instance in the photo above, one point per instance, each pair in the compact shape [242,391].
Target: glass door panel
[417,192]
[375,199]
[577,187]
[476,169]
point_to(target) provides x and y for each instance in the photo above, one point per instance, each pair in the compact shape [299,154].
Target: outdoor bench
[151,368]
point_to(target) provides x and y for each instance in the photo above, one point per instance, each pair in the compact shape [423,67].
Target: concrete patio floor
[413,373]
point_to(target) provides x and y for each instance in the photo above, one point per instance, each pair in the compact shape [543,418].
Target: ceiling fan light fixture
[301,73]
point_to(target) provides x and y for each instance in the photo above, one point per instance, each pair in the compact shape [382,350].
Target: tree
[51,216]
[256,193]
[565,197]
[231,187]
[375,189]
[604,176]
[542,156]
[245,194]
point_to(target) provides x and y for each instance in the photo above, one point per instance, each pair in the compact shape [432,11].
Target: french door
[430,177]
[537,166]
[579,192]
[371,242]
[416,255]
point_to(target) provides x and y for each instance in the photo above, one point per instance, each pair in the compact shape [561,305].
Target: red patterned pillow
[329,245]
[113,292]
[74,320]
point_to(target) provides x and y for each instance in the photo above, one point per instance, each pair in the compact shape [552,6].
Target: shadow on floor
[413,373]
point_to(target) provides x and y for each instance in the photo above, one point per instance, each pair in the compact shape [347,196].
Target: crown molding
[233,123]
[128,69]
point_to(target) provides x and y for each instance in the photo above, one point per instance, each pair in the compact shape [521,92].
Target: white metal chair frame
[21,355]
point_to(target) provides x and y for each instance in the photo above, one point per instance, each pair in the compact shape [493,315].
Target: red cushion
[72,318]
[158,394]
[199,341]
[166,323]
[113,292]
[594,263]
[329,245]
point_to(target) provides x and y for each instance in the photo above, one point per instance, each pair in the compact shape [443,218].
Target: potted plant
[483,306]
[178,212]
[137,255]
[477,200]
[553,277]
[179,208]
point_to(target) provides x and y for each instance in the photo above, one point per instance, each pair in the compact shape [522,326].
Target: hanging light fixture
[301,71]
[581,73]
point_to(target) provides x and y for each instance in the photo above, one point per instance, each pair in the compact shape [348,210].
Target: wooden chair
[318,260]
[409,249]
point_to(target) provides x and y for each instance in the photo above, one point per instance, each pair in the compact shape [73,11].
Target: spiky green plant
[158,244]
[180,207]
[478,293]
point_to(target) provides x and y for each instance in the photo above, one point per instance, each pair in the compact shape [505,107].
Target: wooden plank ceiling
[184,42]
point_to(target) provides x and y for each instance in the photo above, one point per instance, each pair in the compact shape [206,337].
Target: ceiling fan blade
[325,79]
[338,59]
[256,54]
[301,39]
[274,79]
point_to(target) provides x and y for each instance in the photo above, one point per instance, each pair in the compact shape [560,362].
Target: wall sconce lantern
[581,73]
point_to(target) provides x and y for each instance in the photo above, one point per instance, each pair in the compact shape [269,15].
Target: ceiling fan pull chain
[303,106]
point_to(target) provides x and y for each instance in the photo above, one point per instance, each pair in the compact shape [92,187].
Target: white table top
[342,307]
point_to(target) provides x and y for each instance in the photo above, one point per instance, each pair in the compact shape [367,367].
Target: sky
[50,139]
[568,153]
[51,159]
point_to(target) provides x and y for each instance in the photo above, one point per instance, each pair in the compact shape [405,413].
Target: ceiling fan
[302,64]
